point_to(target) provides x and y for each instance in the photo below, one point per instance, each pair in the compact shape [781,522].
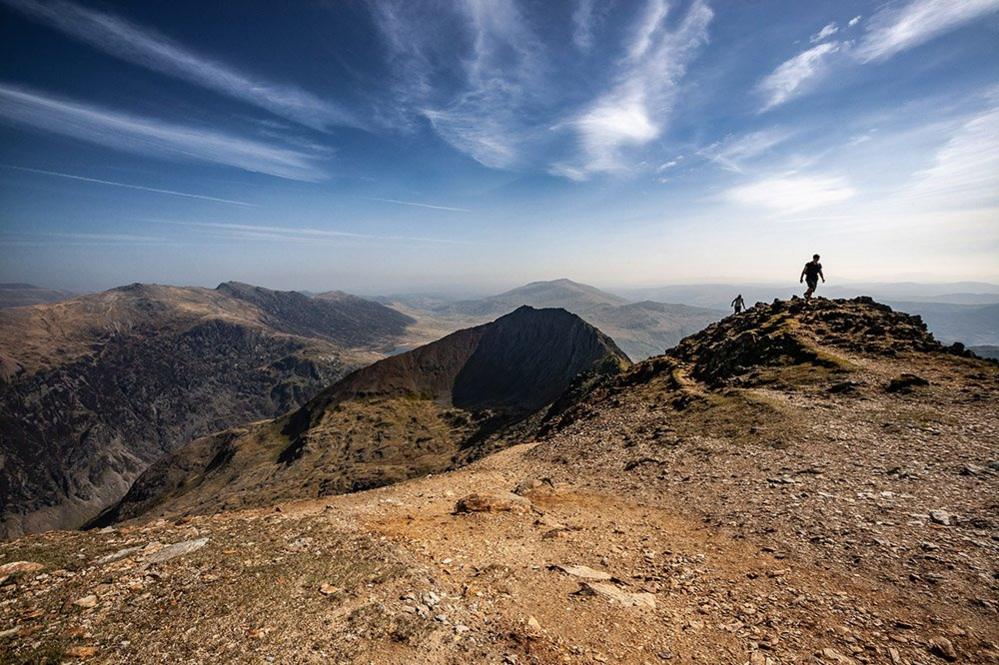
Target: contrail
[419,205]
[127,186]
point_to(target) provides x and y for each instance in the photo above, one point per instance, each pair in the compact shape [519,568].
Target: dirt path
[717,598]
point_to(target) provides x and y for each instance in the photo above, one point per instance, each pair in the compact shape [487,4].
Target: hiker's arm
[802,278]
[822,276]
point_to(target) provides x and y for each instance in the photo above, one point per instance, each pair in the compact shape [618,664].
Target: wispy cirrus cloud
[156,190]
[511,108]
[80,239]
[152,137]
[828,30]
[483,108]
[792,192]
[734,151]
[582,24]
[633,112]
[126,40]
[893,29]
[900,27]
[298,233]
[502,77]
[965,170]
[793,76]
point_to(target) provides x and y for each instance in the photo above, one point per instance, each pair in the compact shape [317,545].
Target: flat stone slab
[120,554]
[584,572]
[616,595]
[177,549]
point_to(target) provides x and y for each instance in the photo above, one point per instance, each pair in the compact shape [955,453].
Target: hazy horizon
[401,147]
[897,290]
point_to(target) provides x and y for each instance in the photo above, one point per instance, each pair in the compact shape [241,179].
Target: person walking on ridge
[810,274]
[738,304]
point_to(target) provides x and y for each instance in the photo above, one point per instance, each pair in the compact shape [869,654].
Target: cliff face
[95,389]
[427,410]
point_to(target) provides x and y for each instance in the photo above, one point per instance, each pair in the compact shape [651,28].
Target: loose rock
[491,503]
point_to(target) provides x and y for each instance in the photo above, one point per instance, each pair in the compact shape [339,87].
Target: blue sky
[472,145]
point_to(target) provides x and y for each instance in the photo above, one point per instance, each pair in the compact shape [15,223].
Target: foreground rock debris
[718,504]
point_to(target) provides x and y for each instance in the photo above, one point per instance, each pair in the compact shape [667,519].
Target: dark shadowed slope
[94,389]
[641,329]
[426,410]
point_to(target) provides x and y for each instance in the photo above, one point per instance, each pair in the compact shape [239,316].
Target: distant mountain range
[972,325]
[22,295]
[94,389]
[719,295]
[966,312]
[986,351]
[641,329]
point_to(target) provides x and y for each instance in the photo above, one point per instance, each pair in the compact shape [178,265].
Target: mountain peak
[791,341]
[422,411]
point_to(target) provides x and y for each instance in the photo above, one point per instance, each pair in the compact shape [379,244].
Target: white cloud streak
[300,234]
[153,137]
[502,76]
[827,31]
[416,204]
[891,30]
[792,77]
[901,27]
[582,24]
[965,171]
[133,43]
[633,112]
[170,192]
[792,193]
[80,239]
[733,152]
[480,101]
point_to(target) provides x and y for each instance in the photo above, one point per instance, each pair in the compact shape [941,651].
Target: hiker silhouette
[738,304]
[810,274]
